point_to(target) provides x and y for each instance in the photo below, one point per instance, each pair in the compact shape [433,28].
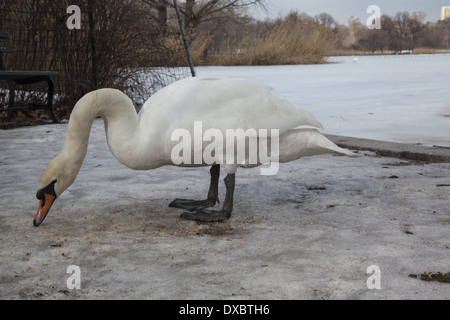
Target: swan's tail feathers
[330,146]
[341,151]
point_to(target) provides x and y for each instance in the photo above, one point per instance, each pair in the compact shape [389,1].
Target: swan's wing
[224,104]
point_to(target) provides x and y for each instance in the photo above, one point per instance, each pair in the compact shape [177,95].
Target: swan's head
[56,178]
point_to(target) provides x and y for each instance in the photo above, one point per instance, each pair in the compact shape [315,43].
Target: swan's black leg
[205,215]
[213,194]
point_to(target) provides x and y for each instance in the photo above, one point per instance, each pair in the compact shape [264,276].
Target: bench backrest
[4,48]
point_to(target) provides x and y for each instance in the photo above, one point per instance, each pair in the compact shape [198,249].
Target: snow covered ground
[309,232]
[393,98]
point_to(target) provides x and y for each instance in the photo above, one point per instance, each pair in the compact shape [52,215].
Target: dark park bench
[14,78]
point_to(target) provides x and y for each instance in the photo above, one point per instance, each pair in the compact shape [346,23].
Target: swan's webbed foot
[212,198]
[192,205]
[204,215]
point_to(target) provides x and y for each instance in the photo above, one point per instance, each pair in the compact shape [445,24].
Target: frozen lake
[394,98]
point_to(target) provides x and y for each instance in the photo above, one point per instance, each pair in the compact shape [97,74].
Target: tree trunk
[189,14]
[162,16]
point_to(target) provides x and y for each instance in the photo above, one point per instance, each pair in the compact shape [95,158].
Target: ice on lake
[402,98]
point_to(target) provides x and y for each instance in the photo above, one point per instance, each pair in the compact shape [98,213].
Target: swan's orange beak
[44,206]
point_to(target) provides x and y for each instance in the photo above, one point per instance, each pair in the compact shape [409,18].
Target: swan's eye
[50,189]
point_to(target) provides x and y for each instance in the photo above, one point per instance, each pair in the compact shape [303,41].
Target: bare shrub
[126,38]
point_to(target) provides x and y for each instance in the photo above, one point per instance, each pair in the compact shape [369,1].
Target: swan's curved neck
[121,125]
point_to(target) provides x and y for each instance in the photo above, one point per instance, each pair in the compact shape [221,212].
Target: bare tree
[189,16]
[355,33]
[326,19]
[161,8]
[196,12]
[416,25]
[436,35]
[205,10]
[401,31]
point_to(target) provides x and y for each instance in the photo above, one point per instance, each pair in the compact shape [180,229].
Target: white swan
[143,141]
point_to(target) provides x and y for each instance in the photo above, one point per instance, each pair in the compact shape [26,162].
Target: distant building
[445,13]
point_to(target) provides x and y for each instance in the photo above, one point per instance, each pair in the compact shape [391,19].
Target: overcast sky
[342,10]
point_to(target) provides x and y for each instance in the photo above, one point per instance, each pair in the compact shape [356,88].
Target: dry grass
[426,50]
[285,44]
[419,50]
